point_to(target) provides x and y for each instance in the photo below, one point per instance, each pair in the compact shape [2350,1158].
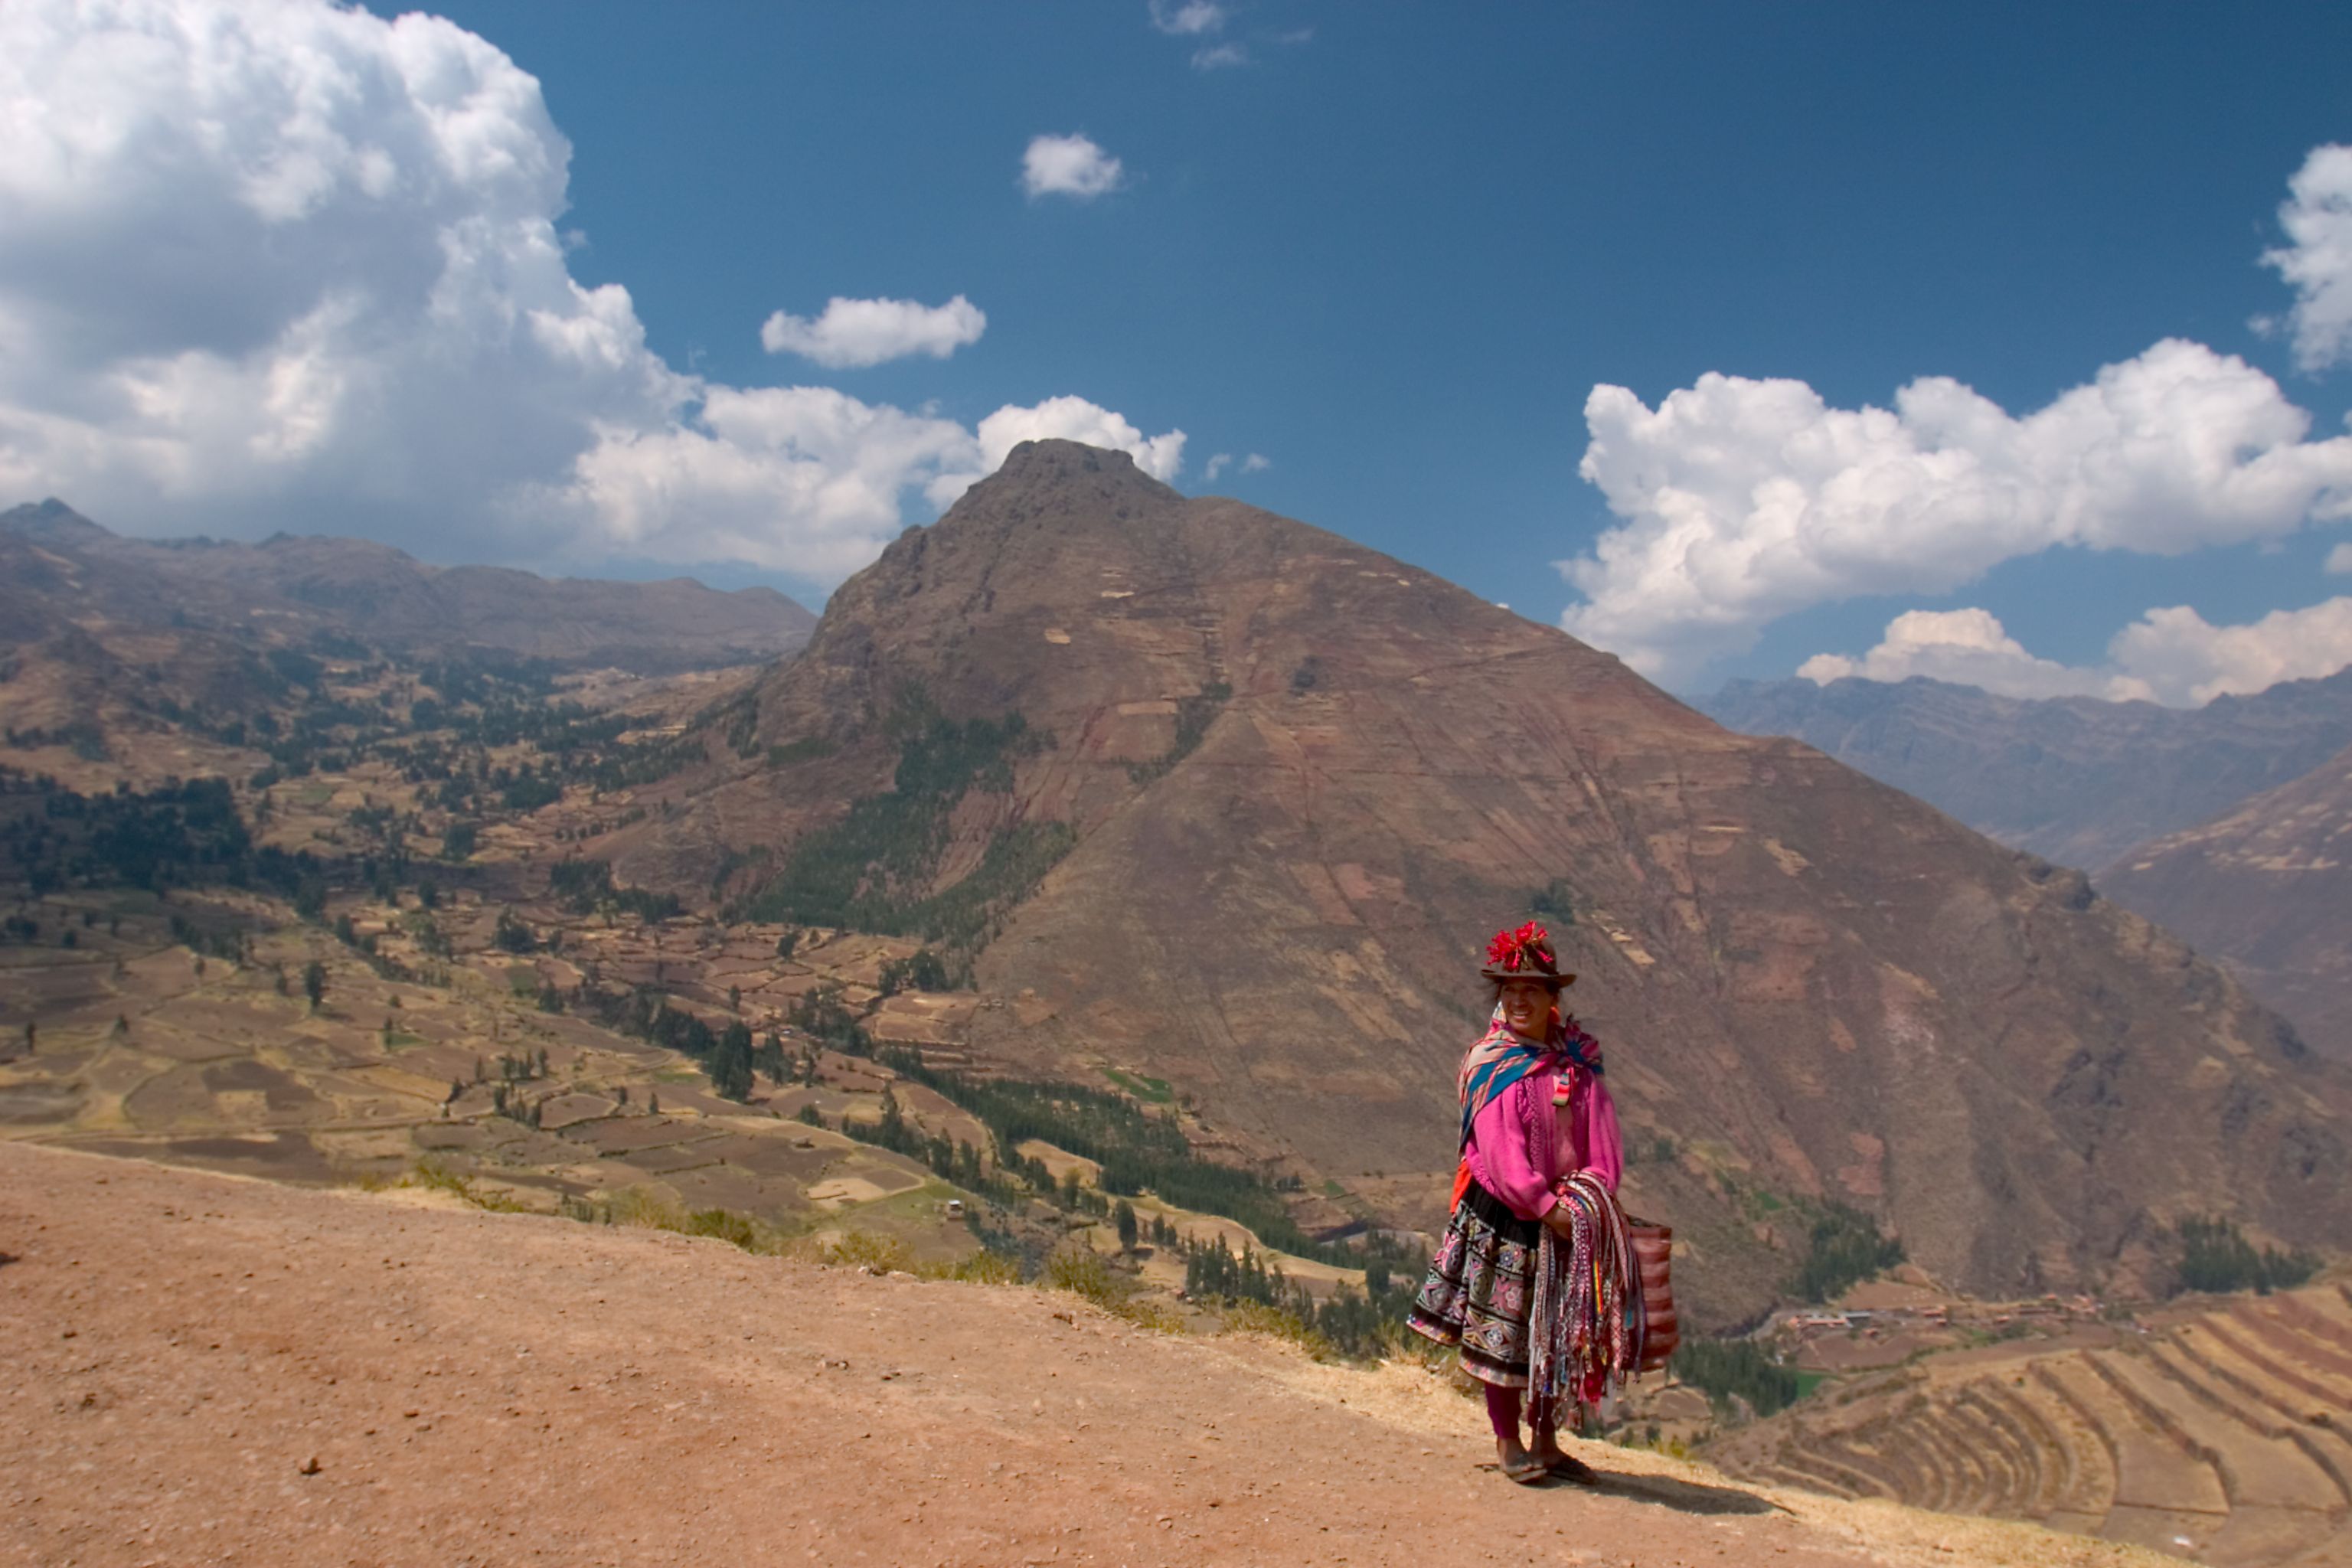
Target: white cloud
[2339,560]
[1187,19]
[290,264]
[2188,662]
[1969,647]
[1256,464]
[1069,419]
[801,477]
[853,332]
[1069,166]
[1218,56]
[2317,260]
[1218,465]
[2170,656]
[1743,500]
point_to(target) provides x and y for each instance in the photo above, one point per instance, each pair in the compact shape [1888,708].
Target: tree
[28,1036]
[787,942]
[769,1058]
[653,1102]
[1123,1216]
[730,1064]
[314,983]
[549,999]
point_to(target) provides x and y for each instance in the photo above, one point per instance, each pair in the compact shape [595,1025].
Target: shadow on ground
[1683,1496]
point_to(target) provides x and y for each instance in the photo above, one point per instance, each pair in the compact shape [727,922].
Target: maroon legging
[1503,1412]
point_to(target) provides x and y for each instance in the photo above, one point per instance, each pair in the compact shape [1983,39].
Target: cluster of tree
[210,938]
[1003,1184]
[926,971]
[1721,1369]
[2217,1258]
[821,1016]
[83,737]
[727,1056]
[1194,714]
[1846,1250]
[183,832]
[585,885]
[874,869]
[1359,1324]
[1138,1152]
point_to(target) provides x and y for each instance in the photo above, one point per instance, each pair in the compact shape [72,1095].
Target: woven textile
[1479,1289]
[1586,1306]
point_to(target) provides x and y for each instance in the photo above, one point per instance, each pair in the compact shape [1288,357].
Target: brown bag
[1653,1247]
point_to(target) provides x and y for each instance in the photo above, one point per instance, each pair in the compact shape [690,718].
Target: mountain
[2073,779]
[1220,799]
[2267,885]
[59,568]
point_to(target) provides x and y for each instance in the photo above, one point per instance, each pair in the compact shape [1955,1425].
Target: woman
[1534,1279]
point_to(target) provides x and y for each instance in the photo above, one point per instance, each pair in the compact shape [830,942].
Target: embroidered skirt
[1480,1288]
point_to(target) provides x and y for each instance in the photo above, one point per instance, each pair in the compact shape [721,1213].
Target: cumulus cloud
[2188,662]
[1069,419]
[2339,560]
[291,265]
[2316,260]
[1187,19]
[1217,57]
[1969,647]
[855,332]
[1256,463]
[1742,500]
[1218,465]
[2170,656]
[1069,166]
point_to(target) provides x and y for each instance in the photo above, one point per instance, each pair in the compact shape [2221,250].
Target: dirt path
[180,1347]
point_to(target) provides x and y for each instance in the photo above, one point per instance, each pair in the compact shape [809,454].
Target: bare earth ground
[182,1346]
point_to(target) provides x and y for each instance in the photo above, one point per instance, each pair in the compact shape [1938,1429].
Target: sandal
[1526,1471]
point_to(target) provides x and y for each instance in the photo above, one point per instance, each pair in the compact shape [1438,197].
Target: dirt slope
[500,1389]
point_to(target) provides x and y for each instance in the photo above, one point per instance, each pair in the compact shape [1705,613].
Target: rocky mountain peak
[1274,788]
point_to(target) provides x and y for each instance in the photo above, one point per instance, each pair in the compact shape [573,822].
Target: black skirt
[1480,1287]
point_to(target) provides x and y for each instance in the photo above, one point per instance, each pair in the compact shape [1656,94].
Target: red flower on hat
[1529,947]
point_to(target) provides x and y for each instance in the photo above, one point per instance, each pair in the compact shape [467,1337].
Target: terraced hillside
[2226,1437]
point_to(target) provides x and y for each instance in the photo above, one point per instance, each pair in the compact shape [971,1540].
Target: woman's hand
[1560,1219]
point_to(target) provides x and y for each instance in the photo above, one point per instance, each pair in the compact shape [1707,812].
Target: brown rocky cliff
[1814,985]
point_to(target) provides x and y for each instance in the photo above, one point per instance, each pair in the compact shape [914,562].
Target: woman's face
[1527,1008]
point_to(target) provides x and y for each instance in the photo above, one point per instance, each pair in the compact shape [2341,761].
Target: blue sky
[1392,249]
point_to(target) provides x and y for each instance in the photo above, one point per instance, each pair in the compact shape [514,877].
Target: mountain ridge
[2264,887]
[2077,780]
[76,569]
